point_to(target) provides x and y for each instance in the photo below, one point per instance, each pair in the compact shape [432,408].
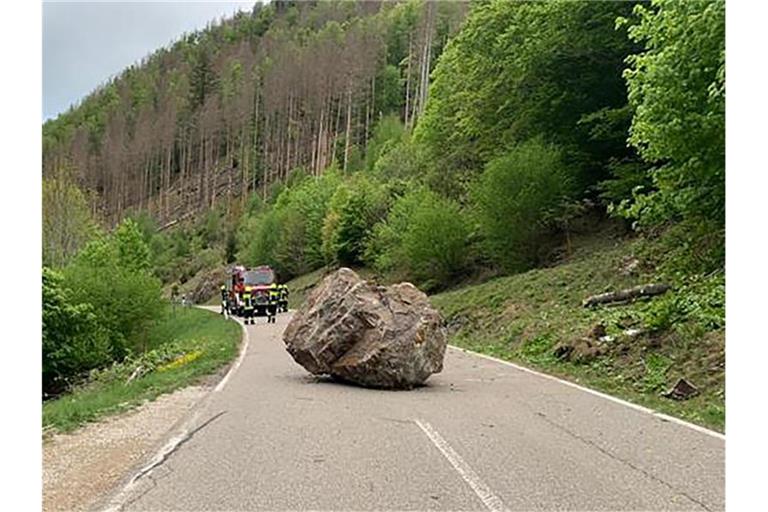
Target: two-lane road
[481,436]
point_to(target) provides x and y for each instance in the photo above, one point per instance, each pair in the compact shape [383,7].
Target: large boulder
[376,336]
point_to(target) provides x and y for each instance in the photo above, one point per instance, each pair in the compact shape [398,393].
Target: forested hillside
[445,143]
[233,109]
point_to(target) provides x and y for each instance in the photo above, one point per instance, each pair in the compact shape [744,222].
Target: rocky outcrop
[376,336]
[206,286]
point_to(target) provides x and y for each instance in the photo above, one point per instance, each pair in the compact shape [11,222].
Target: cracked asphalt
[480,436]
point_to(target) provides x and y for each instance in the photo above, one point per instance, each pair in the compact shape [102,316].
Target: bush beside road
[191,344]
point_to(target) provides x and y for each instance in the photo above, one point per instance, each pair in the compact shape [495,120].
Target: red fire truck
[257,281]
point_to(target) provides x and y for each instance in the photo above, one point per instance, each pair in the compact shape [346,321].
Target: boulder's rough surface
[376,336]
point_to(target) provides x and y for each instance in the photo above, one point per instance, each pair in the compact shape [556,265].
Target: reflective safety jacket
[247,302]
[283,292]
[274,294]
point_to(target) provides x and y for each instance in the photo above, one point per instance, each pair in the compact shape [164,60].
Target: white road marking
[489,499]
[116,503]
[239,361]
[640,408]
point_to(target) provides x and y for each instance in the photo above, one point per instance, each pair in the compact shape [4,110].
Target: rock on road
[482,435]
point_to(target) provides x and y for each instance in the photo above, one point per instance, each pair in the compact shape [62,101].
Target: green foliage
[689,247]
[424,237]
[230,249]
[627,177]
[110,274]
[289,236]
[388,132]
[187,331]
[258,236]
[389,96]
[518,70]
[67,221]
[538,350]
[132,250]
[522,316]
[179,253]
[656,366]
[74,341]
[515,197]
[662,313]
[203,79]
[354,209]
[697,302]
[400,160]
[146,225]
[677,89]
[211,228]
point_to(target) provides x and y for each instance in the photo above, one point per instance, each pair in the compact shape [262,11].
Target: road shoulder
[79,468]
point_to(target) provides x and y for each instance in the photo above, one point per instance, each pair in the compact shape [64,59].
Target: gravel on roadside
[81,467]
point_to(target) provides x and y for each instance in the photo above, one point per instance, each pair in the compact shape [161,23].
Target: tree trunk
[408,79]
[348,131]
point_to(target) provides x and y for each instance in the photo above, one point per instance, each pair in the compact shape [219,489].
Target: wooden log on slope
[626,295]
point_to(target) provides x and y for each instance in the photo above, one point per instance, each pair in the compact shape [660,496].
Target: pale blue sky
[85,43]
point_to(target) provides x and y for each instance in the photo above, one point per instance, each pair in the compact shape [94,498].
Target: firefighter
[248,308]
[272,305]
[224,301]
[283,298]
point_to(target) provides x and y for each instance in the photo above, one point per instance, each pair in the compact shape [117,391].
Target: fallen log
[629,294]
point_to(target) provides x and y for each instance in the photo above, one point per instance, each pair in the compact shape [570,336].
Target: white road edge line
[661,416]
[233,369]
[117,502]
[489,499]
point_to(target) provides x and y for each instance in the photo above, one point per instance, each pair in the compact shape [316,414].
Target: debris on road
[375,336]
[682,390]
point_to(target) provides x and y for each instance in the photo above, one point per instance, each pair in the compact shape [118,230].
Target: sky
[86,43]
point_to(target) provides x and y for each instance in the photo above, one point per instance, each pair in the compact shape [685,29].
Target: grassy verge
[188,345]
[523,317]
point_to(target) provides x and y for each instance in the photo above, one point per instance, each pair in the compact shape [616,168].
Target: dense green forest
[438,142]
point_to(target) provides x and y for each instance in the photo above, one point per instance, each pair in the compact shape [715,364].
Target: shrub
[211,228]
[354,209]
[515,198]
[425,236]
[401,159]
[676,87]
[132,250]
[388,132]
[73,339]
[435,243]
[124,297]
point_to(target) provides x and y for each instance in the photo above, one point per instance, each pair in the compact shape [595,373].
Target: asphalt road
[481,436]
